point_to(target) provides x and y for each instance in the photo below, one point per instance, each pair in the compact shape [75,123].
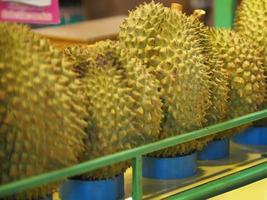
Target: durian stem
[177,7]
[199,14]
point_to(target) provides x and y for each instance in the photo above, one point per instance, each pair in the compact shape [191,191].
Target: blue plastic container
[252,136]
[112,189]
[215,150]
[170,168]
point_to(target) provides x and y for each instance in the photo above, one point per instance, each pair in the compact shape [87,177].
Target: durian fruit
[140,31]
[250,21]
[220,88]
[41,112]
[123,101]
[244,63]
[167,42]
[220,79]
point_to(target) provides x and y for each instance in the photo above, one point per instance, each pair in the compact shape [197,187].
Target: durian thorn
[177,7]
[199,14]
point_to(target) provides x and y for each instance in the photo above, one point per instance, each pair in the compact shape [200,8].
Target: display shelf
[242,157]
[133,154]
[255,190]
[214,177]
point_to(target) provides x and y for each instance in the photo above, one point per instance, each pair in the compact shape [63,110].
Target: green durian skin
[167,43]
[42,116]
[244,63]
[123,101]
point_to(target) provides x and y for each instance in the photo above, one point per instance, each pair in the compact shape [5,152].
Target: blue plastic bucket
[215,150]
[112,189]
[252,136]
[170,168]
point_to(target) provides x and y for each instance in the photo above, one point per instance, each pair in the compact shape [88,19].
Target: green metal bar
[137,178]
[224,184]
[18,186]
[224,13]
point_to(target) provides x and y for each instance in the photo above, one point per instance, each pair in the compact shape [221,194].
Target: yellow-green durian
[219,78]
[139,32]
[220,89]
[167,42]
[244,64]
[250,22]
[41,113]
[123,101]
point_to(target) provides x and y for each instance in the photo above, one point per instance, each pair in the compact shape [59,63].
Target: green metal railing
[224,13]
[134,154]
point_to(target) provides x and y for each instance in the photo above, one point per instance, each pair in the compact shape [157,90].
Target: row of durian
[167,74]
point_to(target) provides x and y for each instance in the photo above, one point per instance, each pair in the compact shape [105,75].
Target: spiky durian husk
[139,32]
[220,89]
[167,43]
[41,127]
[219,92]
[124,103]
[81,56]
[250,21]
[244,64]
[220,78]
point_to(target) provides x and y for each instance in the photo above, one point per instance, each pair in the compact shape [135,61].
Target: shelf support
[137,178]
[224,13]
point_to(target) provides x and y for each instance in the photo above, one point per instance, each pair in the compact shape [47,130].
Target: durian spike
[177,7]
[199,14]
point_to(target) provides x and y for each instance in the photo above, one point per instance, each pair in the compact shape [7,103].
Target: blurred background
[78,10]
[101,18]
